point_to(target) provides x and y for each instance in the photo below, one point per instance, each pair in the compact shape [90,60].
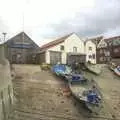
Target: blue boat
[117,70]
[87,92]
[112,66]
[66,72]
[80,87]
[61,70]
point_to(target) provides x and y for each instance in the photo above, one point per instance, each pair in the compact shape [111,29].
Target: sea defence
[6,89]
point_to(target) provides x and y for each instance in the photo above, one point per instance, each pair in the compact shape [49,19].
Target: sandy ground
[39,96]
[109,84]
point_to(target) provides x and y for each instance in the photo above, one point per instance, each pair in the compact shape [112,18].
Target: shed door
[75,58]
[55,57]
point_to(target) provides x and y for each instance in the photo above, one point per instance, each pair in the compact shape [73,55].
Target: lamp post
[4,34]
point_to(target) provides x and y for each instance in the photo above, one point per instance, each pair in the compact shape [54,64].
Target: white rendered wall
[70,42]
[74,41]
[90,52]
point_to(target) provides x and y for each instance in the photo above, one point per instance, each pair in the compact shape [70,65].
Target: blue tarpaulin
[62,70]
[77,78]
[59,69]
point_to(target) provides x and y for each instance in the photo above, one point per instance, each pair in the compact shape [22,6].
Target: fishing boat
[61,70]
[112,66]
[94,68]
[83,89]
[117,70]
[86,92]
[65,71]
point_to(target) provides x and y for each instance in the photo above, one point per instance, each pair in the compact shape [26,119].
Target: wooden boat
[81,88]
[117,70]
[112,66]
[87,92]
[94,68]
[61,70]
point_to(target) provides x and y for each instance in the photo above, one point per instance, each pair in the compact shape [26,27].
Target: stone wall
[6,89]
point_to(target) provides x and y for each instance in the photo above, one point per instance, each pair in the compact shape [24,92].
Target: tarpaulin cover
[118,68]
[61,69]
[77,78]
[92,98]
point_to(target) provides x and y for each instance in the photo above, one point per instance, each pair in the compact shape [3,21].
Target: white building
[102,44]
[90,51]
[67,49]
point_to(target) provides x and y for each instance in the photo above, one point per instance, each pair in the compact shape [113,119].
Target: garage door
[55,57]
[75,58]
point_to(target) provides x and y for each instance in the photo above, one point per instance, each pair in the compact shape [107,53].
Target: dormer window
[74,49]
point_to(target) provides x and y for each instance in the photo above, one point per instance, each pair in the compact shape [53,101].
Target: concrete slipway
[6,89]
[39,96]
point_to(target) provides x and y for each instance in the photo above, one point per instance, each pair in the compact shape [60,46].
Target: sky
[45,20]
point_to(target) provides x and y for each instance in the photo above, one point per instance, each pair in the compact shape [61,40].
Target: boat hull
[96,69]
[117,72]
[79,91]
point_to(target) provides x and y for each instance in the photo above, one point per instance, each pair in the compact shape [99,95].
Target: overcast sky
[45,20]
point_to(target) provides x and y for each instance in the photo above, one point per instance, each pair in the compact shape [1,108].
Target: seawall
[6,89]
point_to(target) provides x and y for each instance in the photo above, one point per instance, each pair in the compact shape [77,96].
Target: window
[18,55]
[101,51]
[61,47]
[101,59]
[90,48]
[107,53]
[74,49]
[116,50]
[90,56]
[93,55]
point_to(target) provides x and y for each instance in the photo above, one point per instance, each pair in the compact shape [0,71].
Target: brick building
[96,40]
[108,50]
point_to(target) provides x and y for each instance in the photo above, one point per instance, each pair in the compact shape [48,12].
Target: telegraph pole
[4,36]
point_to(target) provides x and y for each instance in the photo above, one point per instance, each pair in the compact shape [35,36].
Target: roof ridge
[94,37]
[21,33]
[56,41]
[16,35]
[112,37]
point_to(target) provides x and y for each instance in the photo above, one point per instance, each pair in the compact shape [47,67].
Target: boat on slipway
[112,66]
[87,92]
[117,70]
[65,71]
[94,68]
[62,70]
